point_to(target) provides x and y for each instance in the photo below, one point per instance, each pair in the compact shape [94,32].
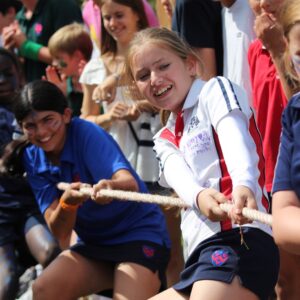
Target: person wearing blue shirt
[121,245]
[286,185]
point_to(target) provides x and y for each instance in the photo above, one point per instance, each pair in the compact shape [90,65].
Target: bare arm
[60,220]
[286,220]
[121,180]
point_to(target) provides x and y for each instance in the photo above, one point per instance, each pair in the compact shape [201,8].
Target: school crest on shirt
[193,124]
[219,257]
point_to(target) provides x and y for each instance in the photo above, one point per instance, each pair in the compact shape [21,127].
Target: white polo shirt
[220,148]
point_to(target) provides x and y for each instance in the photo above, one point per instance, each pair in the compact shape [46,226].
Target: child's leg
[170,294]
[176,263]
[135,282]
[40,241]
[8,273]
[71,276]
[217,290]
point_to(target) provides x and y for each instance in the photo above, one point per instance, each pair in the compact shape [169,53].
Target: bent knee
[48,254]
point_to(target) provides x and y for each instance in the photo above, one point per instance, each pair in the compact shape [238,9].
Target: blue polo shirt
[287,172]
[91,154]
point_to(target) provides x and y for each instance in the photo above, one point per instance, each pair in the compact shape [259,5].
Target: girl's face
[265,6]
[294,46]
[162,77]
[120,21]
[47,129]
[9,78]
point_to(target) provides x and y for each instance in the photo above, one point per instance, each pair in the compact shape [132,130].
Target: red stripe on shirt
[225,182]
[261,163]
[169,136]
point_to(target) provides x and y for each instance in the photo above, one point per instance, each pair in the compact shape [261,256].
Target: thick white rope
[251,214]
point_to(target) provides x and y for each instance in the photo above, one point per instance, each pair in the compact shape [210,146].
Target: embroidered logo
[199,143]
[148,251]
[38,28]
[219,257]
[193,123]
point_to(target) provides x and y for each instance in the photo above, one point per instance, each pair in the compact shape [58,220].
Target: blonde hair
[289,17]
[163,38]
[69,39]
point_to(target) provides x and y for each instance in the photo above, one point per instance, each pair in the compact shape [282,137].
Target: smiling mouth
[45,140]
[163,90]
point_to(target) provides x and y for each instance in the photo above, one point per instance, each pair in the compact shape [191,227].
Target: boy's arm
[27,48]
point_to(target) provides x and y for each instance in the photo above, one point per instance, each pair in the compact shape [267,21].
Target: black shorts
[148,254]
[222,257]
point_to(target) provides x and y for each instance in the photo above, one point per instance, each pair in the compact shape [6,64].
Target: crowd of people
[184,98]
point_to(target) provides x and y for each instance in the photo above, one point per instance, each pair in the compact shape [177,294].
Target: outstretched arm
[61,214]
[121,180]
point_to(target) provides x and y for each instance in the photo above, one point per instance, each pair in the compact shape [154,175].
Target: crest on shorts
[219,257]
[148,251]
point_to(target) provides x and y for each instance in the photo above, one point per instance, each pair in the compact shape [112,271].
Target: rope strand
[251,214]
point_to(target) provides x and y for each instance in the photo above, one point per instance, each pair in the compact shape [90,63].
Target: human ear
[191,64]
[67,115]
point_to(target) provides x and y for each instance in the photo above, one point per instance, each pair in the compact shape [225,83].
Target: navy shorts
[148,254]
[222,257]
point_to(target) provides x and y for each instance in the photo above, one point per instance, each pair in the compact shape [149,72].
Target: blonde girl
[210,153]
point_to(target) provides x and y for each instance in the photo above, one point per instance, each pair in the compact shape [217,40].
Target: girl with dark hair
[121,245]
[24,237]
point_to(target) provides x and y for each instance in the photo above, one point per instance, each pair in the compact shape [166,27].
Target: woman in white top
[131,123]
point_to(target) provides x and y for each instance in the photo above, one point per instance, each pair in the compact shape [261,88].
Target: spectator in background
[238,33]
[71,48]
[164,10]
[199,23]
[92,18]
[8,11]
[36,22]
